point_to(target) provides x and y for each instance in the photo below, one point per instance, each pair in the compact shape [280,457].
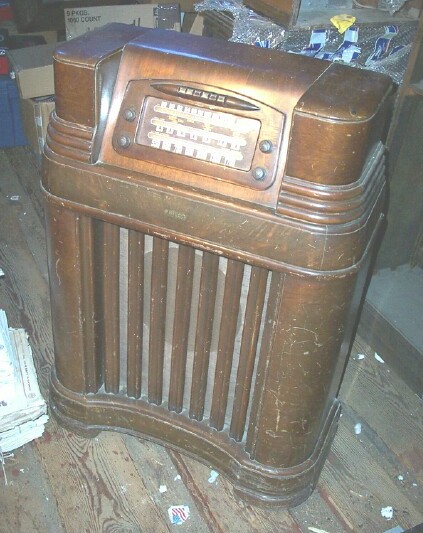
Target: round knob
[123,141]
[129,115]
[266,146]
[259,173]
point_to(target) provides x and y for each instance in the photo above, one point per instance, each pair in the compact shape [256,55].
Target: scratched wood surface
[65,483]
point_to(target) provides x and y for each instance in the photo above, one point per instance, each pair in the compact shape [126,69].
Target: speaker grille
[173,326]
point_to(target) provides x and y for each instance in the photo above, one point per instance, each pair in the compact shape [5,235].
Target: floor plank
[225,511]
[389,406]
[28,501]
[156,468]
[28,214]
[100,483]
[318,512]
[359,485]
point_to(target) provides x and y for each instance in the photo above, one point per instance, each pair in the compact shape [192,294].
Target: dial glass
[200,133]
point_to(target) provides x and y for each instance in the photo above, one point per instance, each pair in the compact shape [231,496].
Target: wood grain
[355,473]
[156,469]
[221,509]
[28,499]
[111,483]
[391,408]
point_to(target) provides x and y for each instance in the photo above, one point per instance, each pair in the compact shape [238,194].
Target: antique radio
[211,210]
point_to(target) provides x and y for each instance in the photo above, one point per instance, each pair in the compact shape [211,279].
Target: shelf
[416,89]
[391,321]
[311,19]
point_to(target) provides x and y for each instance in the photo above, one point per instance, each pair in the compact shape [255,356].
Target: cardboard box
[35,114]
[193,24]
[15,41]
[80,20]
[33,69]
[12,29]
[50,37]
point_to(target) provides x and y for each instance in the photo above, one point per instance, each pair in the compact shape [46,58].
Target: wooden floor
[65,483]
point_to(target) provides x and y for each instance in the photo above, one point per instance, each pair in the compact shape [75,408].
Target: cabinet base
[258,484]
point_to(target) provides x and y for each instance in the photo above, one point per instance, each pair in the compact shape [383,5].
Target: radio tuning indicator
[214,136]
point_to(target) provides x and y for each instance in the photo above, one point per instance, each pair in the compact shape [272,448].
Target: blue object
[11,131]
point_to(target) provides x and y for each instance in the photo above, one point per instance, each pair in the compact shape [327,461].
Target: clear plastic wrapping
[248,26]
[391,5]
[373,46]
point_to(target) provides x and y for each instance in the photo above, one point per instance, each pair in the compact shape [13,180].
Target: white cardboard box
[80,20]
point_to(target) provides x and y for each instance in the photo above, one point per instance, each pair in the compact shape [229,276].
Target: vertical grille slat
[92,363]
[110,291]
[227,333]
[207,298]
[157,319]
[135,312]
[182,312]
[247,357]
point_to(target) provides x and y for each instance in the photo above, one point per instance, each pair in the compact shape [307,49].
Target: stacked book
[23,411]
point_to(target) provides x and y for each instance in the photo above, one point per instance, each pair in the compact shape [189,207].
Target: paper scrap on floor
[23,411]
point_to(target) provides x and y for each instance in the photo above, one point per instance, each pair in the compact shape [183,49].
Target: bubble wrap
[237,23]
[297,39]
[391,5]
[248,26]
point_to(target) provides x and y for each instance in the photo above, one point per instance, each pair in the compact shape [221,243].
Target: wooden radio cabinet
[211,209]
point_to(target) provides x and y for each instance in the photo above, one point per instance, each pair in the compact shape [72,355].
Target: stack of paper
[22,408]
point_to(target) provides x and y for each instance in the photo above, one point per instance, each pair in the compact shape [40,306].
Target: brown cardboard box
[10,26]
[50,37]
[193,23]
[80,20]
[33,69]
[35,114]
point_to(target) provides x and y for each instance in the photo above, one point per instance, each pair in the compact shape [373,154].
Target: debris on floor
[379,358]
[23,411]
[387,512]
[213,476]
[178,514]
[357,428]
